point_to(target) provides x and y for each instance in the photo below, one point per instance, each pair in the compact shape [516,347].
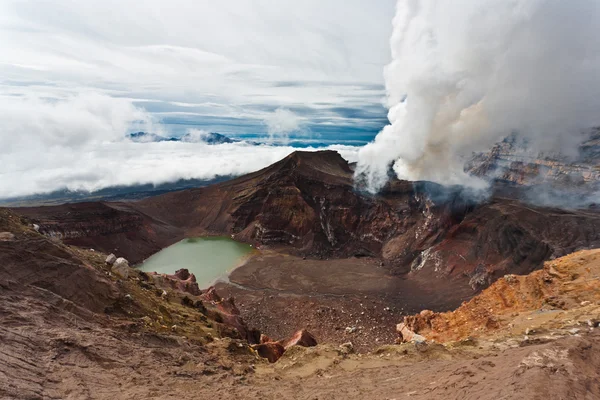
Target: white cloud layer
[80,144]
[77,76]
[466,73]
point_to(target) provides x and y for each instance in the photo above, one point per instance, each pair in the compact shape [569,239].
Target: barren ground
[280,294]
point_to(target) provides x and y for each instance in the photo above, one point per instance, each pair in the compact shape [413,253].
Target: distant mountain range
[193,137]
[114,193]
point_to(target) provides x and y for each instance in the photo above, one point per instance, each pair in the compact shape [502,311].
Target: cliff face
[510,161]
[306,204]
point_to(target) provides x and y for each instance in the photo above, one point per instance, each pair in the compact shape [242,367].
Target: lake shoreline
[210,258]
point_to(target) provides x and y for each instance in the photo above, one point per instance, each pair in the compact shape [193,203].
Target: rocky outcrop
[568,284]
[229,315]
[405,334]
[273,350]
[121,268]
[181,280]
[301,338]
[543,178]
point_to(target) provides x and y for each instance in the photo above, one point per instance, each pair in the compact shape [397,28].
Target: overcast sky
[77,75]
[225,65]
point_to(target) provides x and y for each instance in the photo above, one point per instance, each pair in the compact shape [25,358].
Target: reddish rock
[229,314]
[182,280]
[265,339]
[272,351]
[211,294]
[301,338]
[184,275]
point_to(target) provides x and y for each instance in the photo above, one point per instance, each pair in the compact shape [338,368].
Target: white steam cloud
[281,123]
[80,143]
[466,73]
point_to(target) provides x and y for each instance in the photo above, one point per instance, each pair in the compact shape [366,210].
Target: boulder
[184,275]
[407,335]
[346,348]
[272,351]
[229,314]
[211,295]
[264,338]
[121,262]
[185,282]
[110,260]
[182,280]
[301,338]
[6,237]
[121,268]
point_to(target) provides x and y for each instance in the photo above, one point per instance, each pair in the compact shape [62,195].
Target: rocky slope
[94,334]
[564,296]
[543,178]
[110,227]
[70,329]
[306,204]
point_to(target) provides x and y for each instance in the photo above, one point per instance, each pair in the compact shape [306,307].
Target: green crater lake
[208,258]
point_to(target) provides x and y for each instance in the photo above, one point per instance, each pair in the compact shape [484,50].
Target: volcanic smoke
[467,73]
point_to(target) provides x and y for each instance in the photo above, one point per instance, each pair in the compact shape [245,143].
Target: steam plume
[281,123]
[466,73]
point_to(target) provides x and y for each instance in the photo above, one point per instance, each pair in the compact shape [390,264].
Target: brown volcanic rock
[109,227]
[68,327]
[305,201]
[35,261]
[272,351]
[506,236]
[301,338]
[229,315]
[78,353]
[307,204]
[181,280]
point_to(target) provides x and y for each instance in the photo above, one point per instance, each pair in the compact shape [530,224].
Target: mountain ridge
[306,204]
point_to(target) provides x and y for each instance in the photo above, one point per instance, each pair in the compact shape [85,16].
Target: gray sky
[189,59]
[77,75]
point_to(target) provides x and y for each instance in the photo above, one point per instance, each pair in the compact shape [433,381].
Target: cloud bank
[80,144]
[77,76]
[464,74]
